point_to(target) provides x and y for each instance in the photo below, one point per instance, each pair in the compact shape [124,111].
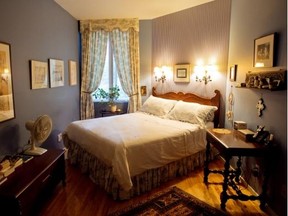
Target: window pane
[116,80]
[104,84]
[108,80]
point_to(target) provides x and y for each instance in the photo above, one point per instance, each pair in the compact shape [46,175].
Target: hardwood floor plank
[82,197]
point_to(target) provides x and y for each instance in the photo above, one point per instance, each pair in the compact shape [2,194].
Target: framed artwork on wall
[233,73]
[7,110]
[56,72]
[72,66]
[182,73]
[264,51]
[38,74]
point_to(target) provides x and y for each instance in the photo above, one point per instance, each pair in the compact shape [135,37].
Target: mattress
[136,142]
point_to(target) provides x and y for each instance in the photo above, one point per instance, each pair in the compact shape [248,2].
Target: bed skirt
[102,175]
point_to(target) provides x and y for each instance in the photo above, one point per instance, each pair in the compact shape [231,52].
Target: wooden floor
[82,197]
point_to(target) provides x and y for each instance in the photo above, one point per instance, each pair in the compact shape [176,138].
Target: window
[110,75]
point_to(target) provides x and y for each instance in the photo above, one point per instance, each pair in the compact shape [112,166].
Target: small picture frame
[56,72]
[182,73]
[143,90]
[72,66]
[38,74]
[264,51]
[233,73]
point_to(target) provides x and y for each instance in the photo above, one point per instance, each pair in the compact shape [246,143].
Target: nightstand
[28,184]
[230,143]
[110,113]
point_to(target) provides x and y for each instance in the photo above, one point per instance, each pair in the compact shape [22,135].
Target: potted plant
[110,97]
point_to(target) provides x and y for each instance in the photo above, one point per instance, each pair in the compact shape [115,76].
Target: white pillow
[192,112]
[157,106]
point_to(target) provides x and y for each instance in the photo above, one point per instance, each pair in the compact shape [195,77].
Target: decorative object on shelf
[260,106]
[233,73]
[38,74]
[56,70]
[111,96]
[7,110]
[72,66]
[203,73]
[160,73]
[182,73]
[272,80]
[264,51]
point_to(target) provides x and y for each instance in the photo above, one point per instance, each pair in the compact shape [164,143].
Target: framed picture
[233,73]
[264,51]
[56,72]
[143,90]
[7,110]
[72,72]
[182,73]
[38,74]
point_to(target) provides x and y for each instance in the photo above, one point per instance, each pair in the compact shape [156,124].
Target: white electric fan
[40,131]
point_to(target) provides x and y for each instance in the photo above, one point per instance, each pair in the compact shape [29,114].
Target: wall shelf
[266,80]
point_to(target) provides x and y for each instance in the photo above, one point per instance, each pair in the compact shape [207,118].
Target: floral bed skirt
[101,174]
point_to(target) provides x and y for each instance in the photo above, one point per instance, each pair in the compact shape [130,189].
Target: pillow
[206,112]
[157,106]
[192,112]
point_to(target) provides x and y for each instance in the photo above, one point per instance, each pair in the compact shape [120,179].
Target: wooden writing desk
[229,143]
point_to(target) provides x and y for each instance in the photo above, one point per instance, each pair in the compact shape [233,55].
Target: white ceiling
[141,9]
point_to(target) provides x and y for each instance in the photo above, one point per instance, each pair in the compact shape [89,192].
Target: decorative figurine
[260,106]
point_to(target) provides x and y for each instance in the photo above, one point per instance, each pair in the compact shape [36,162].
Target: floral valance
[109,24]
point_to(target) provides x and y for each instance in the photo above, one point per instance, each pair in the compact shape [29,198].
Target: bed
[130,154]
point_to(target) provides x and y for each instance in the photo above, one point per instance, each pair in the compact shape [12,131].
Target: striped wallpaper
[200,32]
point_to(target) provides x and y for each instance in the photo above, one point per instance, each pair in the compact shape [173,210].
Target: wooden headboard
[189,97]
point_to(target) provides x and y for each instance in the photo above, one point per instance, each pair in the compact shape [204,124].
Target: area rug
[172,201]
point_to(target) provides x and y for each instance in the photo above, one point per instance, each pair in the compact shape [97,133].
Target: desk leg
[238,169]
[206,164]
[224,196]
[263,195]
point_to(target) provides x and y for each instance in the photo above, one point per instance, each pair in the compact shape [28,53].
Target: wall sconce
[160,73]
[204,73]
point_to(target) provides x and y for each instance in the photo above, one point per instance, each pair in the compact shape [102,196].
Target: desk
[229,143]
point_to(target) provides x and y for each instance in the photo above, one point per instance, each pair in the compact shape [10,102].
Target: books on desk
[9,163]
[26,158]
[246,134]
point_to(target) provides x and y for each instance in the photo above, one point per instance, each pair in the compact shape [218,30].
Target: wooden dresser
[26,187]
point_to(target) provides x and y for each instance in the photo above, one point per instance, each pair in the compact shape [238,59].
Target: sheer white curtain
[125,46]
[93,59]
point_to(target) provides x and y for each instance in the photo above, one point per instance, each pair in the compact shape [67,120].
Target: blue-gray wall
[251,20]
[38,30]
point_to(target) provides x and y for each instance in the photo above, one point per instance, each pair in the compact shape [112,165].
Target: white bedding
[135,142]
